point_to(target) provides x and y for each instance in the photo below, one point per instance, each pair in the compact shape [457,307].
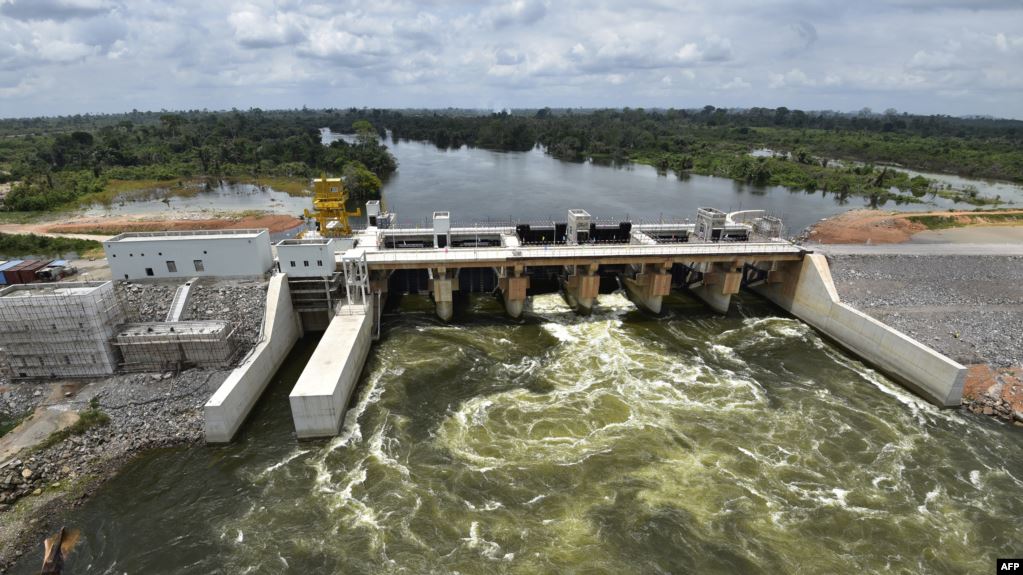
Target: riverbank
[886,227]
[83,226]
[53,473]
[968,307]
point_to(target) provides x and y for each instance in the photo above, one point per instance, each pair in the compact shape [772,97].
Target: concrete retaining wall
[320,398]
[808,293]
[231,403]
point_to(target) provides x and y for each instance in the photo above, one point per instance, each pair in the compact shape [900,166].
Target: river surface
[615,443]
[478,186]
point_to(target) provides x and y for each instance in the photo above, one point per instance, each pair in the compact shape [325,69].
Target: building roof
[187,235]
[305,242]
[51,290]
[154,329]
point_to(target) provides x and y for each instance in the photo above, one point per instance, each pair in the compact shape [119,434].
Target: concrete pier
[649,286]
[581,288]
[513,286]
[720,283]
[229,406]
[806,291]
[443,284]
[320,397]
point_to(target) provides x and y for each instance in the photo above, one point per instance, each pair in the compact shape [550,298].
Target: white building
[185,254]
[312,257]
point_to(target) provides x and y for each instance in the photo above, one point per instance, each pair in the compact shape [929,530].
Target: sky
[920,56]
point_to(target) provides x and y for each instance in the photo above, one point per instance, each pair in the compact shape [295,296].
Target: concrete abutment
[805,289]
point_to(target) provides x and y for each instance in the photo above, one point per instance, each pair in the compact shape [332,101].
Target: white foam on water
[488,549]
[931,496]
[287,459]
[377,451]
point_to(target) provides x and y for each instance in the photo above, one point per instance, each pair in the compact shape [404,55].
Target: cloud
[794,78]
[806,34]
[517,12]
[123,54]
[254,28]
[938,60]
[53,9]
[736,83]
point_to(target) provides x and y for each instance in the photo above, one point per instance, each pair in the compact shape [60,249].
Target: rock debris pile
[240,302]
[969,308]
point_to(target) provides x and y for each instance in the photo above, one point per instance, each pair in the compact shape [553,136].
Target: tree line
[56,161]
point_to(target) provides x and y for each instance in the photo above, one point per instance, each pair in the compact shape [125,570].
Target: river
[478,185]
[615,443]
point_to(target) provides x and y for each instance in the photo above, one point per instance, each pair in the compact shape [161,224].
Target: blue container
[7,266]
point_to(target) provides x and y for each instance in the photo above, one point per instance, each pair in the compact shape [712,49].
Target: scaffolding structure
[59,330]
[161,346]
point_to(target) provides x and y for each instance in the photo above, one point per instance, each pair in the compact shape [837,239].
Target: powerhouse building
[186,254]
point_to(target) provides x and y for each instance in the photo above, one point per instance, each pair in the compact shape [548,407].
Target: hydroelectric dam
[340,285]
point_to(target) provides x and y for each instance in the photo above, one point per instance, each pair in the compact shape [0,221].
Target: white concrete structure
[578,222]
[441,229]
[808,292]
[59,330]
[372,213]
[320,398]
[300,258]
[227,409]
[186,254]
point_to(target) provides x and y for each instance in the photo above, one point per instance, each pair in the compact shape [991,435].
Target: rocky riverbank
[122,415]
[969,308]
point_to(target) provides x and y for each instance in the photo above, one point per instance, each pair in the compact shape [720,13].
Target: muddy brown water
[615,443]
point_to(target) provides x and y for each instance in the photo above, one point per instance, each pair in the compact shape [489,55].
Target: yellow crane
[329,211]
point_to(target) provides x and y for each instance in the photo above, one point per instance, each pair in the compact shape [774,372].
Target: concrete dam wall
[231,403]
[808,293]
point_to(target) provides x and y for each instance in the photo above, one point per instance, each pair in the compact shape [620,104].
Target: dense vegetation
[18,245]
[57,161]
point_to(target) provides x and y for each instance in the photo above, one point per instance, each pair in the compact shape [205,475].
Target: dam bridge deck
[578,255]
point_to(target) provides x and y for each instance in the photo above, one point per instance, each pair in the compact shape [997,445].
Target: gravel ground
[969,308]
[20,398]
[145,410]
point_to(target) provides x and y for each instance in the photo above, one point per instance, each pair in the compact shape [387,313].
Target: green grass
[18,245]
[27,217]
[934,222]
[139,190]
[9,422]
[87,420]
[295,187]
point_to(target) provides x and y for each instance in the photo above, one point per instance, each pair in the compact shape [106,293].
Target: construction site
[336,281]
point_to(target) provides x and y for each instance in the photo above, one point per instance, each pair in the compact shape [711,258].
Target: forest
[56,162]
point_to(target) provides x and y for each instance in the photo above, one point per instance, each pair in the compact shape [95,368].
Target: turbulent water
[615,443]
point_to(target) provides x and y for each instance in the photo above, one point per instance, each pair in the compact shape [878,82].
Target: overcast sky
[925,56]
